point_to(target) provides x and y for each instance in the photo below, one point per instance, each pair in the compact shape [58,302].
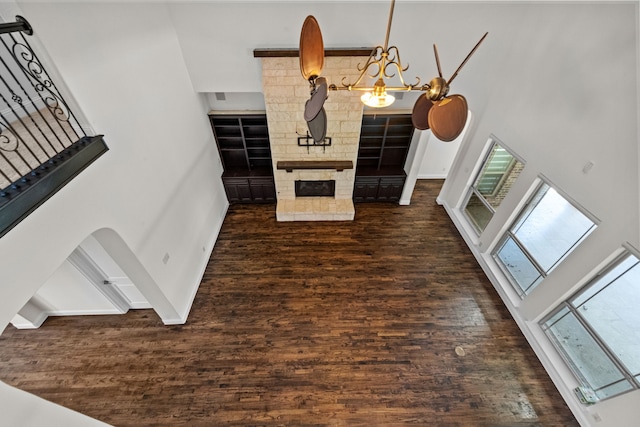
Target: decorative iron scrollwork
[9,141]
[379,62]
[32,67]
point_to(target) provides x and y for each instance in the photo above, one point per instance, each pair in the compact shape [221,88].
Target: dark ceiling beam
[290,53]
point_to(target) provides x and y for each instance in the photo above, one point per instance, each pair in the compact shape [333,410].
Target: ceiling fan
[444,114]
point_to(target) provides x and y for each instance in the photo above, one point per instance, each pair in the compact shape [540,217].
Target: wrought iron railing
[42,144]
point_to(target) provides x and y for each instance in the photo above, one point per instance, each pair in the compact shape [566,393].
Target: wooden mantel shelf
[338,165]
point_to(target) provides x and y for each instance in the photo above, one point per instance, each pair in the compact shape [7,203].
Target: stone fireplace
[286,93]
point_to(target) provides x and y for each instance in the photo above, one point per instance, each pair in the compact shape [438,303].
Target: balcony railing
[42,144]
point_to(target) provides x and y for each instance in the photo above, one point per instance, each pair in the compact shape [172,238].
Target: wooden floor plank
[306,323]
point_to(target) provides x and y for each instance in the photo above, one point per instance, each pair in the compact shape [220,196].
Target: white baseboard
[433,176]
[20,322]
[84,312]
[203,267]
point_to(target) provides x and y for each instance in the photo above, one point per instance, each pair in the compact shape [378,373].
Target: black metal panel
[326,188]
[32,190]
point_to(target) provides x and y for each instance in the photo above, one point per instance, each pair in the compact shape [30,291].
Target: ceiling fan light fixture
[379,97]
[446,120]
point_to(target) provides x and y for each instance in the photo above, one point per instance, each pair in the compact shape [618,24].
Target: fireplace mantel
[338,165]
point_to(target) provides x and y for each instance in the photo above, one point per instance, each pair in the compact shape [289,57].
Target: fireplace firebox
[326,188]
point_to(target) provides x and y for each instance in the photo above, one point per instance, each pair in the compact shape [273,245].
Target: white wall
[548,110]
[438,157]
[156,191]
[21,409]
[237,101]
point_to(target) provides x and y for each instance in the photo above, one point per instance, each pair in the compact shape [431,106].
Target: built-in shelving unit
[243,144]
[384,144]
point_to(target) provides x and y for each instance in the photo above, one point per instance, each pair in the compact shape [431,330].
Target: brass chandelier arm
[408,88]
[392,54]
[398,65]
[422,88]
[375,59]
[382,59]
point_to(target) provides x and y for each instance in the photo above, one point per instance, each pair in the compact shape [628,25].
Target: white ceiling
[218,38]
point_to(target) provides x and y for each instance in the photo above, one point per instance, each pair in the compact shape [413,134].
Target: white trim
[82,261]
[20,322]
[208,249]
[81,312]
[433,176]
[596,221]
[412,165]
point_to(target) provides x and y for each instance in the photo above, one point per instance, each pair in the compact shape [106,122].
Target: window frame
[597,338]
[525,210]
[473,190]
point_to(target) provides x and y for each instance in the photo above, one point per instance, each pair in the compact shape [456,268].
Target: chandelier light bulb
[377,101]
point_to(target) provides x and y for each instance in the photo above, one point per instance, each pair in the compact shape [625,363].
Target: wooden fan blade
[318,126]
[448,116]
[311,49]
[315,103]
[435,51]
[467,58]
[420,114]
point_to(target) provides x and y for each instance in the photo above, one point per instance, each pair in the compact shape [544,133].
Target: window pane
[498,174]
[518,265]
[586,356]
[614,389]
[551,228]
[478,212]
[627,263]
[612,311]
[554,318]
[499,171]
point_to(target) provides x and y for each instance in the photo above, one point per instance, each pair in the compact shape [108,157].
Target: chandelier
[383,64]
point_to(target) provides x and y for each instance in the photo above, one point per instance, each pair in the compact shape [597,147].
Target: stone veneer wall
[286,92]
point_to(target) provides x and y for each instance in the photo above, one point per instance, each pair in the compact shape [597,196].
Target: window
[546,231]
[499,171]
[598,329]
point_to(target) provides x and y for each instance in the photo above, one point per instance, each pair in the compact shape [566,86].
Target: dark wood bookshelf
[384,143]
[245,151]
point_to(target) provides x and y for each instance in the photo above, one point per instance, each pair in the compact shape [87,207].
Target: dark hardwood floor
[306,323]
